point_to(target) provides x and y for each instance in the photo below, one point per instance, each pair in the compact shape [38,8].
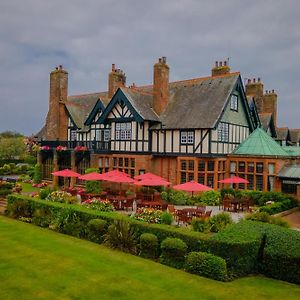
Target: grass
[37,263]
[28,188]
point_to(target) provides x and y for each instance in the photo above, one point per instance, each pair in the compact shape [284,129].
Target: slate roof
[198,103]
[295,135]
[260,143]
[142,103]
[282,133]
[292,171]
[80,106]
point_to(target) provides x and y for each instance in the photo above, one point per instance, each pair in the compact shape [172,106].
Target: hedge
[206,264]
[29,205]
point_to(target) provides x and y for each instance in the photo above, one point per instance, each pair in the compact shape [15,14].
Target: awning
[290,172]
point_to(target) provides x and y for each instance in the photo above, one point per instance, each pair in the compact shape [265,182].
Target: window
[187,137]
[98,135]
[201,165]
[259,167]
[271,168]
[123,131]
[233,167]
[234,102]
[223,132]
[210,166]
[73,135]
[106,137]
[124,164]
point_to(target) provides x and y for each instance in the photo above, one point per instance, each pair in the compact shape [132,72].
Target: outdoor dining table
[152,204]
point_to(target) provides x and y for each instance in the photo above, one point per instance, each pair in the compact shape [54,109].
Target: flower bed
[98,204]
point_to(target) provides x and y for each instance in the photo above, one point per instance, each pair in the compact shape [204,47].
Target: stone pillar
[73,168]
[55,168]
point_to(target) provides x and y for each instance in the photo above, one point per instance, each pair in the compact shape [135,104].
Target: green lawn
[36,263]
[28,188]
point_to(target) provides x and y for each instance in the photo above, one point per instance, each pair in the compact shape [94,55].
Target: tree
[12,147]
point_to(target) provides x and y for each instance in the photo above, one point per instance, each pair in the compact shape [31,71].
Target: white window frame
[123,131]
[106,135]
[234,100]
[73,135]
[187,137]
[223,132]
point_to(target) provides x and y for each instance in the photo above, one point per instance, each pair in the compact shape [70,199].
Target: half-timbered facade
[181,130]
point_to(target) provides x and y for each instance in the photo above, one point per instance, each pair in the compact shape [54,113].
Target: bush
[44,193]
[200,224]
[175,197]
[149,215]
[173,251]
[37,176]
[219,222]
[41,217]
[210,198]
[281,257]
[93,187]
[6,169]
[96,228]
[166,218]
[208,265]
[148,245]
[266,218]
[29,159]
[121,235]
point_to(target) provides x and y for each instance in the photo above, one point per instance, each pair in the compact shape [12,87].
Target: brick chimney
[161,85]
[220,68]
[116,79]
[270,104]
[57,119]
[255,90]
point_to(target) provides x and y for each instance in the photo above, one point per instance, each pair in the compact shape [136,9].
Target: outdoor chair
[171,209]
[208,214]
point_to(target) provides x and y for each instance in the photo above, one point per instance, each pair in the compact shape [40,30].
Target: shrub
[148,245]
[37,176]
[219,222]
[44,193]
[166,218]
[61,196]
[121,235]
[175,197]
[208,265]
[93,187]
[96,228]
[6,169]
[173,251]
[266,218]
[210,198]
[200,224]
[29,159]
[281,257]
[41,217]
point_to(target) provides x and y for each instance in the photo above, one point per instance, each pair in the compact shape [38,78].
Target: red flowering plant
[80,148]
[45,148]
[61,148]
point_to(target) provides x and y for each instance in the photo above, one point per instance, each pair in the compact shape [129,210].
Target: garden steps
[3,204]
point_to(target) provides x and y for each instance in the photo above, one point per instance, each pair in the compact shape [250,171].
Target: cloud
[261,38]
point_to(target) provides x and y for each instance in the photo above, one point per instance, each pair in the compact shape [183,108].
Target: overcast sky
[260,37]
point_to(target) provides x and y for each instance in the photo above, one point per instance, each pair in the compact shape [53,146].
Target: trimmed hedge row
[247,247]
[250,247]
[23,206]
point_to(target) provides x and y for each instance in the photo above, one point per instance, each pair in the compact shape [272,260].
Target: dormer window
[234,102]
[187,137]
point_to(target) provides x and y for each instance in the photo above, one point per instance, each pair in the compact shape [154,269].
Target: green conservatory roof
[292,150]
[260,143]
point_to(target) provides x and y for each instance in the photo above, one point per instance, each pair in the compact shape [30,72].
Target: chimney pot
[113,67]
[225,63]
[272,91]
[159,60]
[56,68]
[258,79]
[164,59]
[220,64]
[216,64]
[249,80]
[254,80]
[60,67]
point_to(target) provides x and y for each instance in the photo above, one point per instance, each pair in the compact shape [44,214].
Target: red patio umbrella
[91,176]
[114,173]
[120,179]
[153,182]
[148,176]
[66,173]
[234,179]
[192,186]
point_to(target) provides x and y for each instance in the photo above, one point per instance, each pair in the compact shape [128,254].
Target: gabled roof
[260,143]
[198,103]
[266,120]
[295,135]
[142,102]
[80,107]
[292,171]
[282,133]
